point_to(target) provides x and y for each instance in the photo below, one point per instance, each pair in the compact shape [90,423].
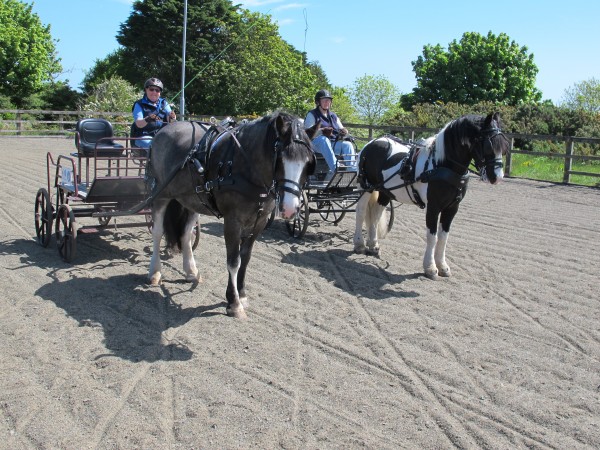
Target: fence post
[19,123]
[508,164]
[568,160]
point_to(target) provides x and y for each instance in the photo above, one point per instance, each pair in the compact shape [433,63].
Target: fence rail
[16,122]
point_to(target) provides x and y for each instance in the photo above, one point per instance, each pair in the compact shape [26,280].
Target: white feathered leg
[189,263]
[154,274]
[428,260]
[440,253]
[374,214]
[361,216]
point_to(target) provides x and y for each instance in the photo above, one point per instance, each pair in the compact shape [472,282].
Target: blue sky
[351,38]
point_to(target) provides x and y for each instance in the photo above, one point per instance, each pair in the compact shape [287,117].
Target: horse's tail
[376,202]
[176,216]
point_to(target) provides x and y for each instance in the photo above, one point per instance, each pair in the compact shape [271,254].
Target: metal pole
[182,98]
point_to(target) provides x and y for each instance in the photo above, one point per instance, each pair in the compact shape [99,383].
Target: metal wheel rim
[330,216]
[43,217]
[297,227]
[65,232]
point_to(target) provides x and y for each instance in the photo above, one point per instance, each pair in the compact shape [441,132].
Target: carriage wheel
[390,209]
[43,217]
[104,220]
[65,231]
[298,225]
[330,211]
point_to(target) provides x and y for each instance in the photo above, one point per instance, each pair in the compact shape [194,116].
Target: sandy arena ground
[340,351]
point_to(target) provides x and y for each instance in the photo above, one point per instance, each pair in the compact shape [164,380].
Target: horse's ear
[312,131]
[280,126]
[492,120]
[488,120]
[496,118]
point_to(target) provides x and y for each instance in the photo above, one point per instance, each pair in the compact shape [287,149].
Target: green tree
[261,72]
[342,105]
[236,62]
[112,95]
[104,69]
[56,96]
[27,52]
[584,95]
[477,68]
[372,96]
[319,74]
[152,41]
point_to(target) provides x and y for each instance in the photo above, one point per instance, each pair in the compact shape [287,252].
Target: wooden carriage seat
[92,137]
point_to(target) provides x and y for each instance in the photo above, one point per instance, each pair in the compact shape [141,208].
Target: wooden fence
[47,123]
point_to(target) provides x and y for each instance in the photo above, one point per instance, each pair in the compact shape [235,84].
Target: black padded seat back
[90,132]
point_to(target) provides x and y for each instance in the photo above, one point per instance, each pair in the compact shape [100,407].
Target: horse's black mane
[295,131]
[463,129]
[269,121]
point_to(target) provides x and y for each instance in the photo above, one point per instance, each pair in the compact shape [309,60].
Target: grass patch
[547,168]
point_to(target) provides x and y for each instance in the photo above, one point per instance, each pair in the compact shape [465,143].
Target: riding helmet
[323,93]
[153,82]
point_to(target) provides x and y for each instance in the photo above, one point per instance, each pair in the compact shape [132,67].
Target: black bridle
[482,154]
[283,184]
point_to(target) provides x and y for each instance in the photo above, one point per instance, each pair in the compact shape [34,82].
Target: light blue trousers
[324,146]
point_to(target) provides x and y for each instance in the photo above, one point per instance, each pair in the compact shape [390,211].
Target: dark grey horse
[245,169]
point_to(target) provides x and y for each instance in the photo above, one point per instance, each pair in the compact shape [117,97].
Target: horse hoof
[444,272]
[193,278]
[373,252]
[237,313]
[432,274]
[154,280]
[360,250]
[245,303]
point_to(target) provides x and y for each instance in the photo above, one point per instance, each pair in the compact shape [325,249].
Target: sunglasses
[154,89]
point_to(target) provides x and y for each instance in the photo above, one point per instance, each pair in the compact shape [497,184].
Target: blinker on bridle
[282,184]
[487,149]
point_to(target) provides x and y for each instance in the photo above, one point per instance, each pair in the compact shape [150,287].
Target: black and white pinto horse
[244,169]
[432,174]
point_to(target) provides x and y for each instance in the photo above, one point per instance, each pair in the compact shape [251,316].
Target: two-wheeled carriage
[104,176]
[330,196]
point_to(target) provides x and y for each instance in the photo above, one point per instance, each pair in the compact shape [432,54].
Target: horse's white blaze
[498,171]
[290,203]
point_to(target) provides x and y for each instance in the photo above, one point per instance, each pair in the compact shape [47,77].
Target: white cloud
[291,6]
[257,3]
[284,22]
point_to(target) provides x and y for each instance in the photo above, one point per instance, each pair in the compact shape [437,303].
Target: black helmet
[323,93]
[153,82]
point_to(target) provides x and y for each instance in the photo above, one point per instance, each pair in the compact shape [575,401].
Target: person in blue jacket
[330,141]
[150,113]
